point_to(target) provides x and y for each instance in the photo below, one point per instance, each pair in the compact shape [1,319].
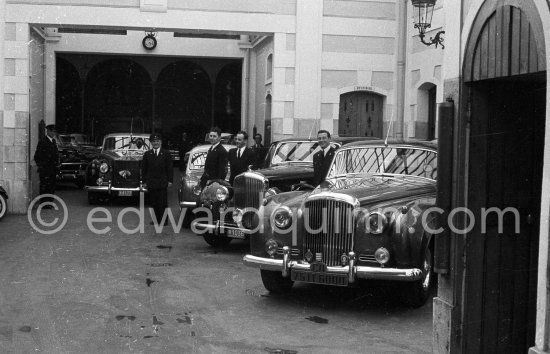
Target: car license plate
[319,278]
[235,233]
[124,193]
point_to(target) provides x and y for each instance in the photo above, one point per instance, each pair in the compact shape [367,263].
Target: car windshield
[127,143]
[392,160]
[294,151]
[197,160]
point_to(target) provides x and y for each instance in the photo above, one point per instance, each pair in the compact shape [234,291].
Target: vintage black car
[74,155]
[288,165]
[194,167]
[3,202]
[117,171]
[368,220]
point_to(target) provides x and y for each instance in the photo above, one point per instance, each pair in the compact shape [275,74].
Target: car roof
[140,135]
[397,142]
[205,147]
[342,140]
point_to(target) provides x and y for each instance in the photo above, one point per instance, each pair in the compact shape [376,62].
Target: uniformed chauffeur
[47,160]
[157,171]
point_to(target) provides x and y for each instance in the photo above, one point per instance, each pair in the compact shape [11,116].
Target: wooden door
[361,114]
[506,147]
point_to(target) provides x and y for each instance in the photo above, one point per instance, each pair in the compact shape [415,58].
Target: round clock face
[149,42]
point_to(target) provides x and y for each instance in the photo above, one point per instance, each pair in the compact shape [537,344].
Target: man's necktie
[239,153]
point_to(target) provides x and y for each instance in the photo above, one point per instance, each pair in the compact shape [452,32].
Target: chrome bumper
[217,228]
[188,205]
[109,189]
[353,271]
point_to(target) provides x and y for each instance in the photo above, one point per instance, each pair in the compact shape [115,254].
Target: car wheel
[3,206]
[275,282]
[216,241]
[420,289]
[93,198]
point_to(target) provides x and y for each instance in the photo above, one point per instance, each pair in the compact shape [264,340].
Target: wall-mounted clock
[149,41]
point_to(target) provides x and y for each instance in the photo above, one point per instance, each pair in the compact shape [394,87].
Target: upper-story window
[269,68]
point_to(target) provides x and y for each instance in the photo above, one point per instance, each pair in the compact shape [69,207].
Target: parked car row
[368,220]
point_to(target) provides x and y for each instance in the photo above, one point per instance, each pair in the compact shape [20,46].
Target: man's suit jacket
[46,156]
[157,171]
[215,166]
[240,165]
[321,165]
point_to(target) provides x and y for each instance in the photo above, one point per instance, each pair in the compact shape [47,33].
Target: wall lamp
[423,11]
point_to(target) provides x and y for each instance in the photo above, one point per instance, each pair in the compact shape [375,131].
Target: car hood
[369,189]
[287,171]
[120,155]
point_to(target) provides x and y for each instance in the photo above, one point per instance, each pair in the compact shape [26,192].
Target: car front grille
[330,231]
[130,181]
[248,189]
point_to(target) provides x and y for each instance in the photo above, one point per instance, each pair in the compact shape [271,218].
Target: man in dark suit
[257,141]
[47,160]
[241,157]
[215,166]
[323,158]
[158,174]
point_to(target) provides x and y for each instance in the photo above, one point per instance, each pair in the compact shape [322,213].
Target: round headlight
[99,181]
[271,247]
[237,216]
[222,193]
[283,217]
[104,168]
[376,223]
[382,255]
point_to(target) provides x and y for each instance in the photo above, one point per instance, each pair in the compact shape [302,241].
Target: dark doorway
[431,112]
[227,112]
[68,98]
[505,158]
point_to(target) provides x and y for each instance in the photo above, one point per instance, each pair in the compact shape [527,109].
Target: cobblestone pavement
[76,291]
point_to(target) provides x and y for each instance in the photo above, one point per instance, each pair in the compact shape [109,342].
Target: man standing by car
[215,166]
[47,160]
[323,158]
[241,157]
[157,170]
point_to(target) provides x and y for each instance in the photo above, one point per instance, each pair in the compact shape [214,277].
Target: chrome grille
[132,180]
[248,189]
[334,221]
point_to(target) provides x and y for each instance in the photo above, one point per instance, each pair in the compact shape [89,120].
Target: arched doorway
[501,128]
[68,98]
[227,113]
[361,114]
[426,111]
[118,98]
[183,101]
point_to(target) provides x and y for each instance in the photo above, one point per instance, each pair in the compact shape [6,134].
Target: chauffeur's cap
[155,136]
[51,127]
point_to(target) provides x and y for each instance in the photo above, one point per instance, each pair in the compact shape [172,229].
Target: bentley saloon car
[368,220]
[117,170]
[74,156]
[189,184]
[288,165]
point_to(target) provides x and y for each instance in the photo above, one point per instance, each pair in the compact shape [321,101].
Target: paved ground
[79,292]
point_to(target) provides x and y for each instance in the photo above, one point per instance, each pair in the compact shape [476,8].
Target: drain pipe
[400,67]
[245,119]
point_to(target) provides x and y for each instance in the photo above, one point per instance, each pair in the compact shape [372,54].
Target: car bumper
[188,205]
[70,176]
[217,229]
[114,190]
[352,270]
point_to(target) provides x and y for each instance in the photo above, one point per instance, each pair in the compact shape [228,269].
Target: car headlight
[271,247]
[104,168]
[376,223]
[237,216]
[222,193]
[197,190]
[99,181]
[283,217]
[382,255]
